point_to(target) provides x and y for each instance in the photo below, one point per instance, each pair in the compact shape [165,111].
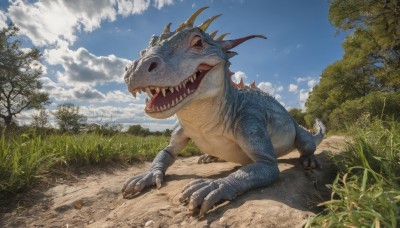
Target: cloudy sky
[86,44]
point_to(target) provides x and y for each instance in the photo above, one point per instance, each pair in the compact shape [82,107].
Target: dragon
[186,73]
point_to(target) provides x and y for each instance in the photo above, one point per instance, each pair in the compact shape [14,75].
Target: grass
[24,158]
[366,191]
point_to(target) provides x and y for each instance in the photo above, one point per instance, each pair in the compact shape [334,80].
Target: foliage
[20,71]
[26,158]
[138,130]
[299,115]
[366,191]
[40,120]
[68,117]
[370,68]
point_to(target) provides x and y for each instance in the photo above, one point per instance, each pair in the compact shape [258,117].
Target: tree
[138,130]
[40,120]
[298,115]
[367,78]
[68,117]
[19,77]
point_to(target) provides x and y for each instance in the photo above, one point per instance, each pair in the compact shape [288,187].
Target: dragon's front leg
[206,193]
[255,142]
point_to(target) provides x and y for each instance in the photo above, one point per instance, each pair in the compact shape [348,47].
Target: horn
[167,28]
[189,22]
[231,54]
[207,23]
[212,35]
[229,44]
[221,37]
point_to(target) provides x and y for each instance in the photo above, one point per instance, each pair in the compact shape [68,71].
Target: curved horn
[221,37]
[167,28]
[212,35]
[189,22]
[207,23]
[229,44]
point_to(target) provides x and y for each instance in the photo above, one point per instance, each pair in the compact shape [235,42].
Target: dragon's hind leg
[305,144]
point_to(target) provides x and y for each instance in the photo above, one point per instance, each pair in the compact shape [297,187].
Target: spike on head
[167,28]
[212,35]
[207,23]
[253,85]
[229,44]
[240,85]
[221,37]
[189,22]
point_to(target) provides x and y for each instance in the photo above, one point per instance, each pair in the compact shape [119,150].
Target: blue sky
[86,44]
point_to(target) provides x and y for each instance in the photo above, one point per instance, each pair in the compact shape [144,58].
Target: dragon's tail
[320,127]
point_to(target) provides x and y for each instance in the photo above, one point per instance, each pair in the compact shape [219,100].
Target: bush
[366,193]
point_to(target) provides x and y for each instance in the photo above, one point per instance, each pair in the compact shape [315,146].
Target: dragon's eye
[196,42]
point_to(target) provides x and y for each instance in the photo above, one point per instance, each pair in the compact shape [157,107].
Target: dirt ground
[95,200]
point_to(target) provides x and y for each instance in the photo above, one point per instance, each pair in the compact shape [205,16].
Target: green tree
[19,77]
[367,78]
[68,117]
[138,130]
[298,115]
[40,120]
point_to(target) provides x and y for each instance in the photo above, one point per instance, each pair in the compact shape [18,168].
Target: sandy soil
[95,200]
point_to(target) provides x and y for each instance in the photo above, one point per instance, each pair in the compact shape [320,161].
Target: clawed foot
[309,162]
[205,193]
[138,183]
[205,159]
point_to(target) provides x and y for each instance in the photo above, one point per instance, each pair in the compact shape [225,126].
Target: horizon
[86,48]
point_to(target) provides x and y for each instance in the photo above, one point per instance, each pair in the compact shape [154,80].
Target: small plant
[366,192]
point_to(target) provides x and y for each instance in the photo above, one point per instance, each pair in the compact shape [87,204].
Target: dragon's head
[181,66]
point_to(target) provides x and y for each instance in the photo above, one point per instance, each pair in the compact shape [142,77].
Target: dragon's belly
[223,148]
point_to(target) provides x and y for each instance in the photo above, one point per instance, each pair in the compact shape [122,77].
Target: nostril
[152,66]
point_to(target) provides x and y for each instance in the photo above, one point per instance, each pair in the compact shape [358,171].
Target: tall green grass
[24,158]
[366,192]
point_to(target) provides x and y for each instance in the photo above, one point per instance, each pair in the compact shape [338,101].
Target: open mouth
[164,98]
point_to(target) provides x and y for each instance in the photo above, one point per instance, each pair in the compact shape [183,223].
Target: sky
[86,45]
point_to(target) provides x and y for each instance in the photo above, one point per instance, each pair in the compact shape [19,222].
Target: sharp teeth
[184,84]
[184,95]
[194,77]
[134,94]
[171,89]
[164,107]
[180,98]
[173,103]
[188,91]
[157,89]
[176,100]
[168,106]
[157,109]
[163,91]
[177,88]
[149,92]
[191,79]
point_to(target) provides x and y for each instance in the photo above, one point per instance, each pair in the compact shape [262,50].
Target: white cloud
[84,67]
[293,88]
[3,19]
[303,96]
[128,7]
[303,79]
[86,93]
[161,3]
[271,89]
[313,82]
[238,75]
[49,22]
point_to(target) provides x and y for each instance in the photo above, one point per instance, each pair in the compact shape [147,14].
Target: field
[27,159]
[364,193]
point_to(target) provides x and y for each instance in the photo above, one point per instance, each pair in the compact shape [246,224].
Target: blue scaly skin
[186,73]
